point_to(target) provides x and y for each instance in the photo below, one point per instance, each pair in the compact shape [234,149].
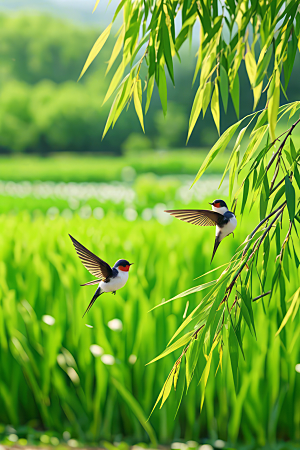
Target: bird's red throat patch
[124,268]
[217,205]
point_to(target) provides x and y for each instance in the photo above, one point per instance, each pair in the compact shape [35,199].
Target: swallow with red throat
[220,217]
[110,279]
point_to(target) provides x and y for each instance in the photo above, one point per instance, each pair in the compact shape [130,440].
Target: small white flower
[85,212]
[115,325]
[98,213]
[206,447]
[130,214]
[132,359]
[179,446]
[72,443]
[161,216]
[13,438]
[297,368]
[49,320]
[96,350]
[219,443]
[108,360]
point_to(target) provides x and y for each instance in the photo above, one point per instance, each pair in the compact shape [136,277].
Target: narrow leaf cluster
[265,35]
[265,173]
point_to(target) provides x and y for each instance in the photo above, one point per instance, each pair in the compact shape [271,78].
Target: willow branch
[285,241]
[277,186]
[260,296]
[266,232]
[260,224]
[281,145]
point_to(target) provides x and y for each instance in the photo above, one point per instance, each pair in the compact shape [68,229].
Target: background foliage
[263,34]
[43,109]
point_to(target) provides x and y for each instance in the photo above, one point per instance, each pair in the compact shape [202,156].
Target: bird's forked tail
[96,295]
[217,243]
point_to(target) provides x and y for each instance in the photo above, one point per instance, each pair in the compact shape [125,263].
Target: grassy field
[94,382]
[97,168]
[86,380]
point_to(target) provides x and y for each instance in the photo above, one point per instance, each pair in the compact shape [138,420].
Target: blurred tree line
[43,109]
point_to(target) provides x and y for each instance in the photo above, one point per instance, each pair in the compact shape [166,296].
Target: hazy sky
[79,10]
[84,4]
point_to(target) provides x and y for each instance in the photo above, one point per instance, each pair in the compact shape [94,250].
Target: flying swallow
[224,220]
[110,279]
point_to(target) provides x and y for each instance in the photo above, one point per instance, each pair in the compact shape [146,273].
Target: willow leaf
[274,105]
[235,148]
[196,109]
[111,115]
[250,67]
[149,92]
[162,89]
[180,343]
[295,300]
[162,391]
[96,4]
[188,292]
[167,390]
[116,50]
[137,98]
[219,146]
[215,107]
[96,49]
[167,48]
[290,197]
[205,374]
[224,87]
[115,81]
[206,97]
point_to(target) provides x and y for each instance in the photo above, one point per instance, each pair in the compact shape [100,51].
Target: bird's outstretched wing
[91,262]
[201,217]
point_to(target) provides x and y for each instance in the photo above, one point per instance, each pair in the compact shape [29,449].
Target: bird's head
[123,265]
[219,206]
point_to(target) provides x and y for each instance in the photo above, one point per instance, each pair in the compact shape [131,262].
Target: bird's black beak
[210,203]
[131,264]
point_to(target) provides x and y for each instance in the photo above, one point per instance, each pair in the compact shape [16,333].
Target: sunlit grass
[73,167]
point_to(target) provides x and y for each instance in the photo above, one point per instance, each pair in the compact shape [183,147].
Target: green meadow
[87,380]
[64,167]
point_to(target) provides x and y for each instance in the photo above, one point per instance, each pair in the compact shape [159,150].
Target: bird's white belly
[115,283]
[227,229]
